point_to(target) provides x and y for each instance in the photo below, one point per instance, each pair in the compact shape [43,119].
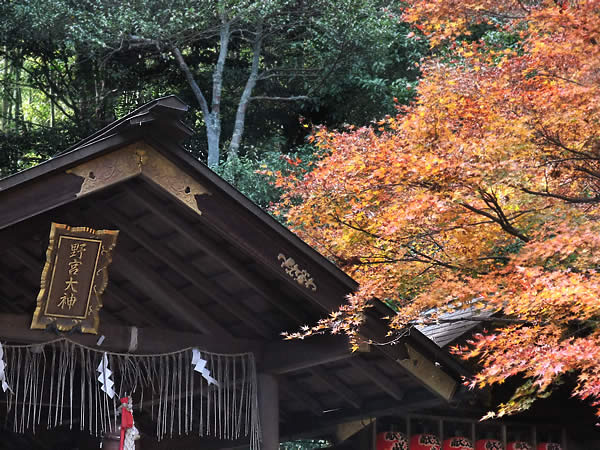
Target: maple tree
[482,194]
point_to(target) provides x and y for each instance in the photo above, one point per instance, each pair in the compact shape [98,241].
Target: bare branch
[580,200]
[500,220]
[293,98]
[240,116]
[192,82]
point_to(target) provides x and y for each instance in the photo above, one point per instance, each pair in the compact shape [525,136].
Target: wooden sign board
[74,277]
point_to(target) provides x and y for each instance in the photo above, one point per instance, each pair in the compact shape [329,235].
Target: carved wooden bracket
[138,159]
[301,276]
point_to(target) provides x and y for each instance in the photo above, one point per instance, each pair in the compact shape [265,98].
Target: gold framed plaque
[74,277]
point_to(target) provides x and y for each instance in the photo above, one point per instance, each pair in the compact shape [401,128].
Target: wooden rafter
[154,286]
[288,356]
[336,385]
[218,252]
[15,328]
[9,282]
[377,377]
[291,389]
[208,287]
[177,304]
[28,291]
[116,292]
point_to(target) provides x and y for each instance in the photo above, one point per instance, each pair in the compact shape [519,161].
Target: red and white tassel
[129,433]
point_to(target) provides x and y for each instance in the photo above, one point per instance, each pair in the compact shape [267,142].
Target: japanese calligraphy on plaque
[74,278]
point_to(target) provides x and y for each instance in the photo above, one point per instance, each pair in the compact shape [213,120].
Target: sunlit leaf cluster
[483,193]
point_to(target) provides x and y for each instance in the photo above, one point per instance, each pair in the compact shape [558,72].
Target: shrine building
[131,271]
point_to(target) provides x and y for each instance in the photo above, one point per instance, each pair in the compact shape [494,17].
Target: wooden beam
[301,426]
[427,372]
[346,430]
[380,379]
[229,214]
[419,364]
[286,356]
[336,385]
[35,228]
[25,202]
[217,251]
[227,201]
[151,400]
[15,280]
[15,328]
[49,185]
[208,287]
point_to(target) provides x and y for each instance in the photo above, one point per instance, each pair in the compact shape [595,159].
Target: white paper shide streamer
[106,384]
[200,366]
[188,391]
[3,382]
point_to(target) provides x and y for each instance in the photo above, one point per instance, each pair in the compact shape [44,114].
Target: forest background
[256,74]
[469,177]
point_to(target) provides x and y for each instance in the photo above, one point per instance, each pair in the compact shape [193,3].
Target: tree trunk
[212,116]
[52,113]
[19,120]
[9,96]
[5,75]
[213,125]
[240,116]
[213,137]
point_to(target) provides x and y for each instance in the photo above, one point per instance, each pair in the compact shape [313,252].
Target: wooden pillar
[268,404]
[564,440]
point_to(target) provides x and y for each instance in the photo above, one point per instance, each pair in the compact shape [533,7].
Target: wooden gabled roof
[454,325]
[197,262]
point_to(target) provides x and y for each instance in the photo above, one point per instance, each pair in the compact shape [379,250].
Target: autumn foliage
[484,193]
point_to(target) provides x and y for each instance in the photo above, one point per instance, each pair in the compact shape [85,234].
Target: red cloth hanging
[489,444]
[126,419]
[548,446]
[424,442]
[391,440]
[457,443]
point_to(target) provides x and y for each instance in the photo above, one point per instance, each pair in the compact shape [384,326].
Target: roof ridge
[145,108]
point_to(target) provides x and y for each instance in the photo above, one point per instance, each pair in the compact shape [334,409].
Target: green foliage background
[68,68]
